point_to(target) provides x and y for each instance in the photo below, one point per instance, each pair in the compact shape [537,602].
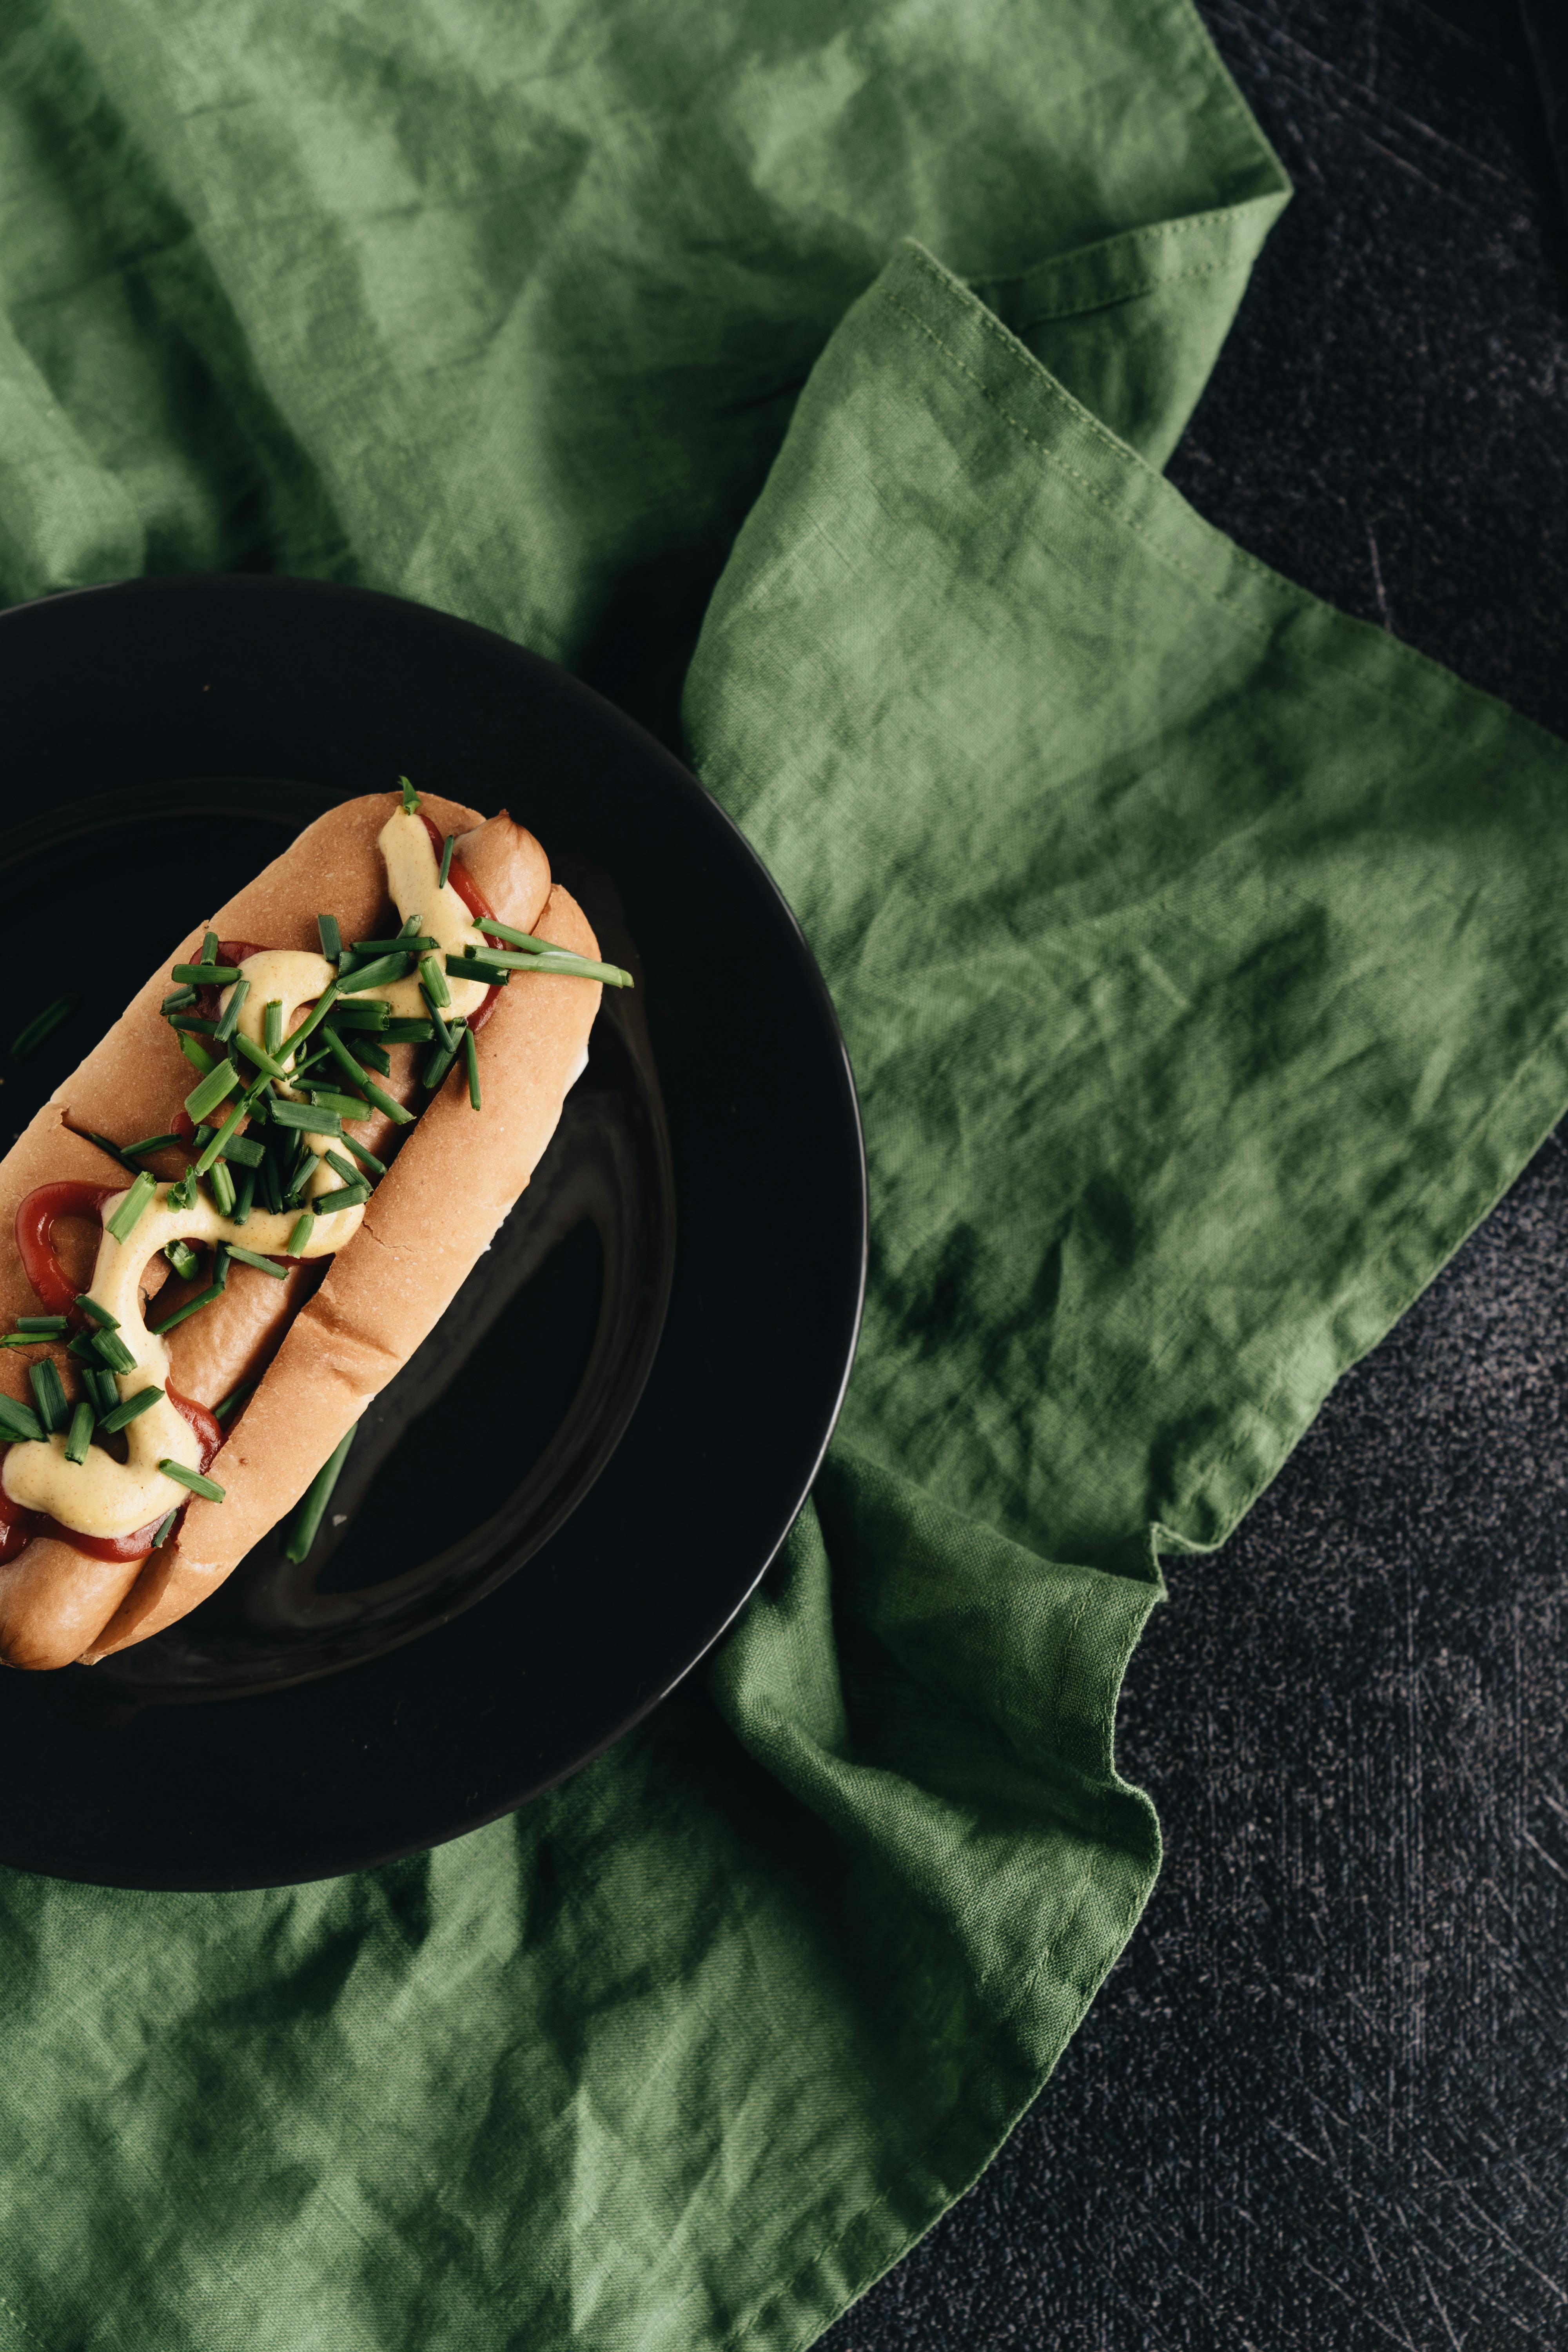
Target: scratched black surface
[1323,2100]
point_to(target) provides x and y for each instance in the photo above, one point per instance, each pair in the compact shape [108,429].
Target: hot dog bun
[323,1348]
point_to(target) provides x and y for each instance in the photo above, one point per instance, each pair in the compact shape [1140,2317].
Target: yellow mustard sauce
[101,1497]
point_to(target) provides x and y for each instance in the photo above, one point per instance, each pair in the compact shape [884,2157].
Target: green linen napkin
[1199,955]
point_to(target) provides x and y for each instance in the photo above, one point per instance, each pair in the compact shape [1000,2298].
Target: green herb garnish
[410,797]
[99,1386]
[19,1426]
[433,987]
[342,1166]
[262,1264]
[332,938]
[352,1196]
[128,1215]
[300,1238]
[306,1117]
[413,942]
[207,1487]
[260,1056]
[230,1014]
[318,1495]
[160,1534]
[206,975]
[344,1106]
[245,1195]
[222,1184]
[132,1409]
[193,1024]
[244,1152]
[409,1033]
[183,1260]
[114,1351]
[220,1141]
[380,973]
[213,1088]
[446,849]
[148,1143]
[197,1055]
[97,1313]
[176,999]
[192,1306]
[313,1020]
[235,1397]
[367,1159]
[79,1436]
[48,1395]
[48,1020]
[373,1014]
[45,1327]
[437,1064]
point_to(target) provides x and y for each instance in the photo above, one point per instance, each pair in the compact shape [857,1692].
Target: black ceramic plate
[644,1371]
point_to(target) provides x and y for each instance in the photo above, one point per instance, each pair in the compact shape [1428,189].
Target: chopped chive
[99,1386]
[409,1033]
[332,938]
[446,849]
[352,1196]
[547,959]
[410,797]
[193,1024]
[307,1117]
[480,968]
[294,1191]
[242,1152]
[367,1159]
[209,948]
[318,1495]
[182,1195]
[165,1525]
[97,1313]
[262,1264]
[471,1054]
[132,1409]
[47,1021]
[18,1425]
[114,1351]
[47,1327]
[176,999]
[197,1055]
[220,1266]
[192,1306]
[313,1020]
[413,942]
[373,1014]
[127,1217]
[230,1014]
[81,1347]
[234,1397]
[222,1184]
[367,1086]
[208,1487]
[246,1193]
[107,1143]
[260,1056]
[272,1025]
[300,1238]
[437,1064]
[372,1058]
[448,1037]
[48,1395]
[342,1166]
[148,1143]
[433,985]
[507,931]
[220,1142]
[201,1138]
[343,1105]
[22,1339]
[213,1088]
[80,1433]
[379,974]
[206,975]
[183,1260]
[271,1191]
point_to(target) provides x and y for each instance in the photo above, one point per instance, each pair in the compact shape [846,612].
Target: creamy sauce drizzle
[101,1497]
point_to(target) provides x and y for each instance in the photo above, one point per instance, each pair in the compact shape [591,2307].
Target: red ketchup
[36,1217]
[474,899]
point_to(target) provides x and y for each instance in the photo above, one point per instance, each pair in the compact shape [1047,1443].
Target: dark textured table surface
[1323,2099]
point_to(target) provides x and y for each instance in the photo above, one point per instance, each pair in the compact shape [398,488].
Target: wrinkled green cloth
[1202,958]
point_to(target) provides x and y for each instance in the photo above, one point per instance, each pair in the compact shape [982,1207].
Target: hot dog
[160,1420]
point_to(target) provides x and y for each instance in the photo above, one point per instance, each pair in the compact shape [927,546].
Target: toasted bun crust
[321,1347]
